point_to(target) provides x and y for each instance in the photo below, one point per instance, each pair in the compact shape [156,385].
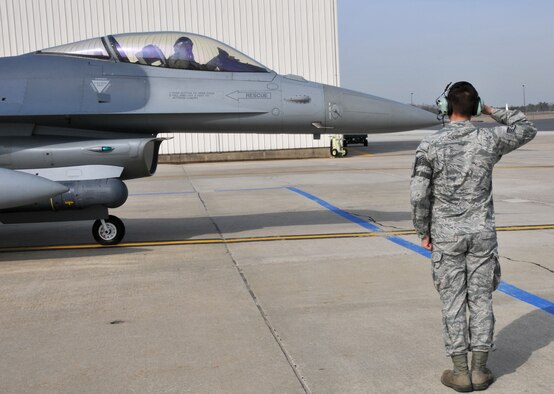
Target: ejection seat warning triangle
[100,85]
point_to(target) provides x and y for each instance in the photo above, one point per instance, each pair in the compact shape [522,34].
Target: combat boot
[458,378]
[481,376]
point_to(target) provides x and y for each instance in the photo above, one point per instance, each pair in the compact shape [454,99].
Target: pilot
[183,57]
[151,55]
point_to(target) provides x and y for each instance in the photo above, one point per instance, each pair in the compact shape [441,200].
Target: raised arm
[518,132]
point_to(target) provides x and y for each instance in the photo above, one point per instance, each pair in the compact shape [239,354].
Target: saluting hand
[487,110]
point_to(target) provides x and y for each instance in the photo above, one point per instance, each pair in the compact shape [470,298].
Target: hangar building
[287,36]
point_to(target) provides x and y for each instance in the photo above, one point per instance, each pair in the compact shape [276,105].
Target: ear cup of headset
[479,107]
[442,105]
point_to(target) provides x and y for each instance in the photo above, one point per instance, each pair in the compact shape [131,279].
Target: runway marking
[271,238]
[526,166]
[206,241]
[504,287]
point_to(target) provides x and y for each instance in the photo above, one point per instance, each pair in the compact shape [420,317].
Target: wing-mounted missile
[78,180]
[19,188]
[79,195]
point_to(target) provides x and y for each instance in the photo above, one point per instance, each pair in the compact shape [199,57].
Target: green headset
[444,106]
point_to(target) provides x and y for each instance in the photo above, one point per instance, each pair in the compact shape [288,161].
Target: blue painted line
[524,296]
[338,211]
[504,287]
[409,245]
[158,194]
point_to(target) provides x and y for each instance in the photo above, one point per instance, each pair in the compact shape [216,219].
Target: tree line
[540,107]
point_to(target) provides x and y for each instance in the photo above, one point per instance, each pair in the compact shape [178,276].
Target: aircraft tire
[365,142]
[334,152]
[112,235]
[345,152]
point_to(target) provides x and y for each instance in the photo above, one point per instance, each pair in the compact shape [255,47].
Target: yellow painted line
[214,241]
[526,228]
[204,241]
[360,152]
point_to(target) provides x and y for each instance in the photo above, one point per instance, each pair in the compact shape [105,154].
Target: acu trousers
[466,271]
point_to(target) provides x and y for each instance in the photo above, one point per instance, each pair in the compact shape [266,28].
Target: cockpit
[163,49]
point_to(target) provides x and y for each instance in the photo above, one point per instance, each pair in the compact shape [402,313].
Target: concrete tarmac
[271,277]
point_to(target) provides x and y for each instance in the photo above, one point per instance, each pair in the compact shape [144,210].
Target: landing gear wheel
[111,232]
[334,152]
[345,152]
[365,142]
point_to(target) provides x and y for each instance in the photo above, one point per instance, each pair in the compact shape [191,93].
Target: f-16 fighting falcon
[77,120]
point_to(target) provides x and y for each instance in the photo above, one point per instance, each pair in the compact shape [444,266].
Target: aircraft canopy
[163,49]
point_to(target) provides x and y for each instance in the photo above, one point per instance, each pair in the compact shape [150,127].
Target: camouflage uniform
[451,197]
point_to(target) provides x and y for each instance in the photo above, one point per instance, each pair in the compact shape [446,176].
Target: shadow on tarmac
[170,229]
[517,341]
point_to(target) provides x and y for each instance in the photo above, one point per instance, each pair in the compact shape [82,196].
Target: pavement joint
[273,331]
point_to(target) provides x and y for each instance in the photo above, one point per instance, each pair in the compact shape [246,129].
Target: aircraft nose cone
[411,118]
[354,112]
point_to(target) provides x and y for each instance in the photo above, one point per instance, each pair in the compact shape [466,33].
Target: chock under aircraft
[78,119]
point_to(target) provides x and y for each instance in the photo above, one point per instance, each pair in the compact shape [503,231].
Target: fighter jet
[77,120]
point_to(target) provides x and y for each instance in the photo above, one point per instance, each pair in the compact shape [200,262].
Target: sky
[393,48]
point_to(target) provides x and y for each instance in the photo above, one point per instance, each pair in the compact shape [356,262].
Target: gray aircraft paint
[59,111]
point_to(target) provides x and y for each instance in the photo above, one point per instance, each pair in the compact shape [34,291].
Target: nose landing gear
[109,231]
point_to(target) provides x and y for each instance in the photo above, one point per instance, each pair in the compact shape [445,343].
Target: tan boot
[481,376]
[458,378]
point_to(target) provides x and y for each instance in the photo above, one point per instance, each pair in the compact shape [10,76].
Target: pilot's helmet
[150,53]
[183,47]
[182,41]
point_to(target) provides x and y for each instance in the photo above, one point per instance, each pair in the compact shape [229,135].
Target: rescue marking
[252,95]
[504,287]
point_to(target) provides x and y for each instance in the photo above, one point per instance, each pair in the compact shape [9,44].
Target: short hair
[463,99]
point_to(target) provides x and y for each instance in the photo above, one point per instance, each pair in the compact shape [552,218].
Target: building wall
[289,36]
